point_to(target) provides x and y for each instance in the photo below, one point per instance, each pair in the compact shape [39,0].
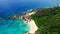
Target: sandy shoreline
[26,18]
[32,24]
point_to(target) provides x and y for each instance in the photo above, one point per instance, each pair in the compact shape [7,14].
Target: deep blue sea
[9,7]
[13,7]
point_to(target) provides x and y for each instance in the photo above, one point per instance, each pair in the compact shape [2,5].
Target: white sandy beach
[32,13]
[32,25]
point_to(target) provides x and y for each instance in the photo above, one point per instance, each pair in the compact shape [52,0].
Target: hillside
[47,20]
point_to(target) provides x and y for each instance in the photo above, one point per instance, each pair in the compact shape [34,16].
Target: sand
[32,13]
[32,25]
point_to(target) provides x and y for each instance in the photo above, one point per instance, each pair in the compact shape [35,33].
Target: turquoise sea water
[16,26]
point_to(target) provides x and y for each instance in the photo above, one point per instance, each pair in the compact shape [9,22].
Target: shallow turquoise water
[16,26]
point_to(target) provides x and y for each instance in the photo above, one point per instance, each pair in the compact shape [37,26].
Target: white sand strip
[32,13]
[33,26]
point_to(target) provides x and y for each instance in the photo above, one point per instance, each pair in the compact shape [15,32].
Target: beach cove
[16,25]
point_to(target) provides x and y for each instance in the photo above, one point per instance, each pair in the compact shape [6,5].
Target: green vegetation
[48,20]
